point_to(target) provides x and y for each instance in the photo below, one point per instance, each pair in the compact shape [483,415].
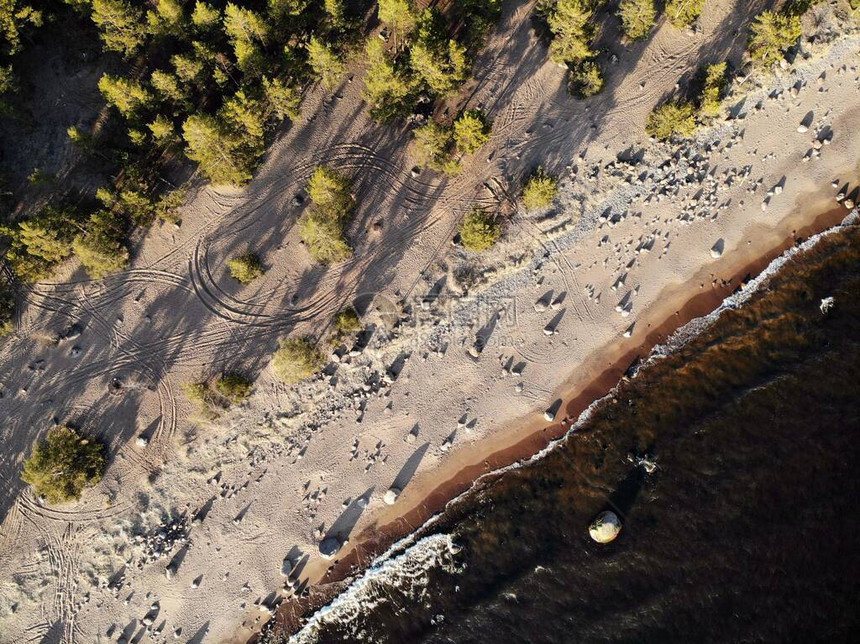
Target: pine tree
[771,35]
[121,25]
[637,18]
[327,64]
[683,13]
[389,92]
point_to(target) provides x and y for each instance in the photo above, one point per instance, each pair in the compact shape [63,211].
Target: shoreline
[479,463]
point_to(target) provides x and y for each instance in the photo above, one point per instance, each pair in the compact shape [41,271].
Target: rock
[142,441]
[827,304]
[717,249]
[802,128]
[848,203]
[330,547]
[549,415]
[391,495]
[286,567]
[605,527]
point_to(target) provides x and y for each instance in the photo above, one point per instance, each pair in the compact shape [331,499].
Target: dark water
[746,532]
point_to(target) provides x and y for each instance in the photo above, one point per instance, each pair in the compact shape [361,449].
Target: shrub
[346,321]
[683,13]
[208,403]
[712,91]
[771,35]
[324,238]
[234,387]
[672,120]
[322,226]
[245,268]
[330,192]
[296,359]
[539,190]
[479,230]
[471,131]
[637,18]
[433,147]
[586,79]
[63,464]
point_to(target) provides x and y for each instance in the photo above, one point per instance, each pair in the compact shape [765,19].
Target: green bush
[713,90]
[637,18]
[346,321]
[209,403]
[322,226]
[324,238]
[771,35]
[479,230]
[296,360]
[331,193]
[245,268]
[63,464]
[672,120]
[234,387]
[433,143]
[539,190]
[471,131]
[586,79]
[683,13]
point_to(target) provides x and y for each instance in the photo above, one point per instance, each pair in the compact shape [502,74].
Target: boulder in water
[605,527]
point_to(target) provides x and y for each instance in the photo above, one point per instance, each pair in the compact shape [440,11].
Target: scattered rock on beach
[330,547]
[717,249]
[605,527]
[391,495]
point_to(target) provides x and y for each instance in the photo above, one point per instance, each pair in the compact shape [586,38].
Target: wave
[407,571]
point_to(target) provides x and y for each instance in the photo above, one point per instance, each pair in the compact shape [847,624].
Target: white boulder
[605,527]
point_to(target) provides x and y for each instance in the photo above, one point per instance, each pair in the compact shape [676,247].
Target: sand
[297,465]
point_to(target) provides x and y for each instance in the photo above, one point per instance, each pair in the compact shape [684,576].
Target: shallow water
[746,531]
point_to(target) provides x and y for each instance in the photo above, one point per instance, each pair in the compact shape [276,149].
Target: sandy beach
[642,237]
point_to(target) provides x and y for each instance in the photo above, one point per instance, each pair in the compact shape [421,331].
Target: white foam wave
[407,571]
